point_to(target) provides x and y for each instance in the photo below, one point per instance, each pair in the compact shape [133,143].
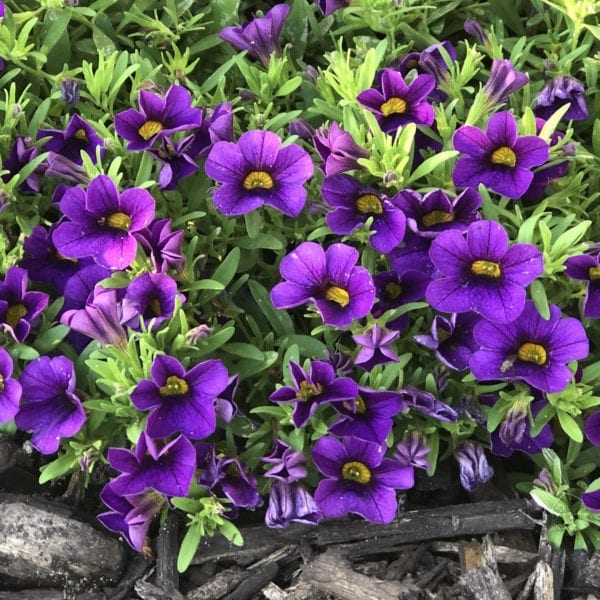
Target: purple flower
[358,479]
[50,408]
[329,6]
[288,464]
[414,253]
[558,92]
[22,153]
[340,290]
[257,171]
[592,428]
[312,390]
[182,401]
[412,451]
[225,405]
[375,347]
[427,404]
[99,319]
[452,339]
[177,161]
[473,465]
[69,91]
[159,117]
[481,273]
[217,126]
[150,296]
[395,103]
[18,307]
[102,222]
[79,136]
[163,245]
[429,215]
[290,502]
[530,349]
[354,203]
[168,468]
[131,516]
[587,268]
[369,415]
[10,389]
[472,27]
[498,158]
[61,167]
[503,81]
[337,149]
[260,36]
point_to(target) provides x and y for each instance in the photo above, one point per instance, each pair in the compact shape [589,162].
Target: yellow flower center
[442,335]
[1,384]
[15,313]
[486,268]
[308,390]
[80,134]
[155,308]
[369,204]
[150,129]
[435,217]
[392,290]
[356,471]
[118,220]
[533,353]
[338,295]
[358,405]
[504,156]
[258,179]
[594,273]
[393,106]
[175,386]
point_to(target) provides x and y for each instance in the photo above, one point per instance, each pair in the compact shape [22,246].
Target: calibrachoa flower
[340,290]
[257,170]
[429,215]
[79,136]
[290,502]
[260,36]
[159,117]
[481,273]
[395,103]
[587,268]
[102,222]
[313,389]
[503,81]
[167,468]
[498,158]
[592,428]
[558,92]
[10,389]
[473,465]
[22,153]
[18,307]
[50,407]
[530,349]
[375,347]
[427,404]
[337,149]
[413,450]
[413,254]
[162,245]
[354,203]
[329,6]
[288,464]
[359,479]
[177,159]
[182,401]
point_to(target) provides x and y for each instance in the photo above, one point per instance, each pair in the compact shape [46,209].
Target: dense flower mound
[274,258]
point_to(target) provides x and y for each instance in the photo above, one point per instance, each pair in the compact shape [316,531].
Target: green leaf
[186,504]
[253,223]
[225,272]
[57,27]
[538,295]
[549,502]
[279,319]
[63,464]
[430,164]
[189,545]
[244,350]
[570,426]
[289,86]
[229,531]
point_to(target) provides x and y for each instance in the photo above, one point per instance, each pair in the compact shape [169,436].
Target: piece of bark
[331,573]
[409,527]
[426,578]
[38,594]
[219,585]
[254,581]
[543,588]
[504,554]
[400,567]
[528,587]
[483,582]
[470,555]
[167,548]
[272,591]
[136,569]
[42,544]
[149,591]
[303,589]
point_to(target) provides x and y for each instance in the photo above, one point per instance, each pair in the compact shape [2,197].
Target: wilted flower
[337,149]
[472,27]
[473,465]
[290,502]
[69,91]
[22,153]
[558,92]
[427,404]
[288,465]
[503,81]
[412,451]
[163,245]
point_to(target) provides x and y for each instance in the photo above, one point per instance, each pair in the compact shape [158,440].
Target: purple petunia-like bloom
[290,502]
[50,408]
[427,404]
[338,150]
[167,468]
[329,6]
[182,401]
[592,428]
[260,36]
[429,215]
[359,479]
[530,349]
[22,153]
[473,465]
[312,389]
[587,268]
[10,389]
[257,170]
[498,158]
[288,465]
[18,307]
[340,290]
[375,347]
[162,245]
[102,222]
[354,203]
[481,273]
[413,450]
[158,118]
[503,81]
[560,91]
[395,103]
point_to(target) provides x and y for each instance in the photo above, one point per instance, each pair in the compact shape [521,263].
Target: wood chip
[504,554]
